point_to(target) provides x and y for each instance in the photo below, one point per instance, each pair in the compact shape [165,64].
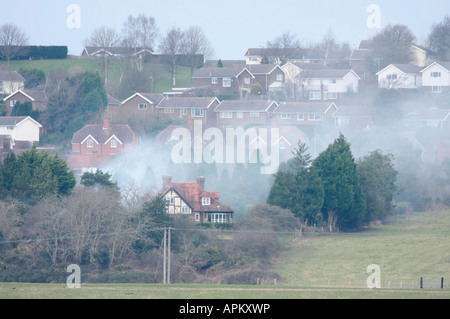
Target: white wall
[444,80]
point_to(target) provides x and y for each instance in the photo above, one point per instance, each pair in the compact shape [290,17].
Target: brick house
[191,199]
[268,76]
[37,97]
[226,80]
[304,113]
[95,144]
[138,106]
[244,113]
[190,109]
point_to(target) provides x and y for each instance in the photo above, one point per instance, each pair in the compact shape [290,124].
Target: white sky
[232,26]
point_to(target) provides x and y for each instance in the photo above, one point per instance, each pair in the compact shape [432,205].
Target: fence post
[442,282]
[421,282]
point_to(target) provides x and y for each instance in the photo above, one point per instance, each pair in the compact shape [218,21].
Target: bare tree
[283,48]
[439,39]
[196,43]
[139,32]
[103,38]
[12,40]
[172,45]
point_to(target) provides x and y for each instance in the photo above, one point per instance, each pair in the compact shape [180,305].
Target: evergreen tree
[344,204]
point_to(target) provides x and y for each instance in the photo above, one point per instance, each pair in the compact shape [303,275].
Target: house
[115,52]
[226,80]
[400,76]
[138,106]
[421,55]
[36,96]
[10,82]
[268,76]
[292,69]
[191,199]
[190,109]
[328,84]
[244,113]
[428,117]
[436,77]
[22,130]
[304,113]
[354,116]
[95,144]
[271,55]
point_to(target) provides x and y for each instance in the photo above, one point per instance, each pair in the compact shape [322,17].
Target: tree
[196,43]
[103,38]
[439,39]
[98,179]
[283,48]
[392,45]
[172,45]
[378,178]
[33,77]
[344,203]
[330,49]
[12,41]
[298,188]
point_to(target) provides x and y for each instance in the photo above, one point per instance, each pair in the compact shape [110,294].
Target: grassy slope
[160,73]
[405,250]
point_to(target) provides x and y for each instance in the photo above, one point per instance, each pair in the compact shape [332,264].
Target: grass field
[322,267]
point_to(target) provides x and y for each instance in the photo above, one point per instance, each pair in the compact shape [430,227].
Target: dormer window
[206,201]
[90,143]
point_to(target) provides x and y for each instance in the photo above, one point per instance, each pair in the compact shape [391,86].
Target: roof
[12,76]
[219,72]
[152,98]
[296,53]
[245,106]
[445,65]
[91,50]
[304,107]
[121,131]
[35,94]
[263,68]
[187,102]
[359,54]
[112,100]
[15,120]
[192,193]
[326,73]
[405,68]
[353,111]
[366,44]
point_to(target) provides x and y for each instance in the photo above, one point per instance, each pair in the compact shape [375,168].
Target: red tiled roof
[192,193]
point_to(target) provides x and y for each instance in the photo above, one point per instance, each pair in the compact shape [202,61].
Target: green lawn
[407,249]
[160,72]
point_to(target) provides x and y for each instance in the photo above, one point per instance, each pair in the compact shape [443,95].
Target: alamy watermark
[236,146]
[74,279]
[374,279]
[374,19]
[74,19]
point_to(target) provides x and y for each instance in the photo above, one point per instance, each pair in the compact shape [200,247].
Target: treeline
[335,190]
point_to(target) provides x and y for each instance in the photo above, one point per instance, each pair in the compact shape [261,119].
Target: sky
[232,26]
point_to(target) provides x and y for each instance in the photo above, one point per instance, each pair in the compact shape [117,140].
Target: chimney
[167,181]
[201,182]
[106,121]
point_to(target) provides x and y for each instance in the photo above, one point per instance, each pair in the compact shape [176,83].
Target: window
[183,111]
[333,81]
[226,115]
[170,200]
[435,89]
[197,217]
[206,201]
[218,218]
[285,116]
[253,59]
[314,117]
[113,144]
[315,95]
[213,80]
[300,117]
[279,77]
[90,143]
[391,77]
[13,102]
[282,145]
[197,112]
[169,110]
[239,115]
[142,106]
[435,74]
[185,210]
[332,95]
[226,82]
[247,81]
[10,128]
[254,114]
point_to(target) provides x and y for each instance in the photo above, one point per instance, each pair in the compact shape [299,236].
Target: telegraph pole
[166,256]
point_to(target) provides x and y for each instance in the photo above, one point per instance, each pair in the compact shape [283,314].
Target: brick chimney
[106,122]
[167,181]
[201,182]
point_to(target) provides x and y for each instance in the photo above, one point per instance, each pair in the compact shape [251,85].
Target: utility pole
[166,256]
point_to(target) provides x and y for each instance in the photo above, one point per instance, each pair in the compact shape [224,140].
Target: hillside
[160,73]
[410,247]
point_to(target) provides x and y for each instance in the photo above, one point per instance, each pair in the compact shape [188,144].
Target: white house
[20,128]
[436,76]
[328,84]
[400,76]
[10,81]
